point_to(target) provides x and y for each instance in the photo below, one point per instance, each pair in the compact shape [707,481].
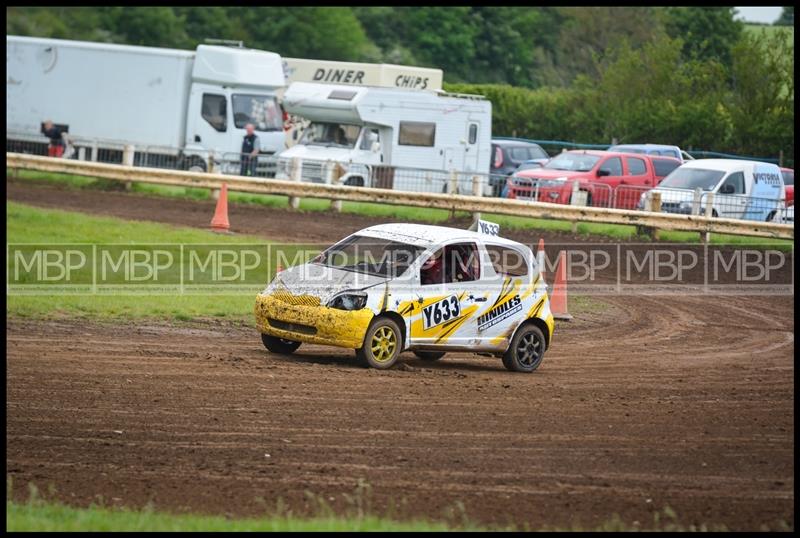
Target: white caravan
[178,104]
[748,190]
[361,128]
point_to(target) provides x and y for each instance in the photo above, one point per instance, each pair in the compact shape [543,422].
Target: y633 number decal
[440,312]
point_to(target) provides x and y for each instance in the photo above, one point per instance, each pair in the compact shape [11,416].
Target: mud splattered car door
[450,292]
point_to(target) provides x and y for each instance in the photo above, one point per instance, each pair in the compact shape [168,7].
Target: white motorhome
[179,105]
[361,128]
[748,190]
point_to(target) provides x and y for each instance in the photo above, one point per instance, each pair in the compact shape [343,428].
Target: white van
[175,106]
[748,190]
[361,128]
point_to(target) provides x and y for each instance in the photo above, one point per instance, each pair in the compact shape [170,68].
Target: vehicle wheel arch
[537,322]
[401,322]
[192,161]
[355,181]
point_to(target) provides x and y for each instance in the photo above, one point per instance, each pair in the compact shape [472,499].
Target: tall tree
[443,37]
[762,101]
[708,33]
[506,36]
[787,17]
[325,33]
[587,32]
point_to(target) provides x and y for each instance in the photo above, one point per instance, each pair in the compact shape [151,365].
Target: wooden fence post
[336,172]
[698,196]
[128,151]
[652,203]
[706,236]
[477,190]
[296,175]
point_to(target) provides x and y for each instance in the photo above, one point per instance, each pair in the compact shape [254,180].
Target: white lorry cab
[180,105]
[360,128]
[748,190]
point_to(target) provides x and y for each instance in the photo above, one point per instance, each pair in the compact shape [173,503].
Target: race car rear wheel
[279,345]
[382,344]
[526,351]
[429,355]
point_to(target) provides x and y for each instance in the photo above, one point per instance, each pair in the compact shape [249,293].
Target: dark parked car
[654,149]
[507,155]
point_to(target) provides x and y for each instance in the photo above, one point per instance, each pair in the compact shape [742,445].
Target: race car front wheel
[526,351]
[382,344]
[279,345]
[429,355]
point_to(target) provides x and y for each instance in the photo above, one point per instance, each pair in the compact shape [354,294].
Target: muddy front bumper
[312,324]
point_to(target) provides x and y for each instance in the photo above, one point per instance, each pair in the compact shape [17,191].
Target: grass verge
[27,225]
[39,515]
[57,517]
[613,231]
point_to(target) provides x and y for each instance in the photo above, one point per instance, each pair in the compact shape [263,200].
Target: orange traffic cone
[540,257]
[558,301]
[220,221]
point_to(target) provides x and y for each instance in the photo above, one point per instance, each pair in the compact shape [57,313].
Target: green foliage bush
[654,94]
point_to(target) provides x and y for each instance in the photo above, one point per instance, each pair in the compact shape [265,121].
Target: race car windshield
[573,162]
[692,178]
[370,255]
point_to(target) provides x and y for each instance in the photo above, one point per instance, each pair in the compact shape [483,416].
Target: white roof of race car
[425,236]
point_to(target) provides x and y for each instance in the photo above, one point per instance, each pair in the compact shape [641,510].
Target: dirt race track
[686,402]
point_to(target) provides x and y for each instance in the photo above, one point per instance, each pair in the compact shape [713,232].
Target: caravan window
[417,133]
[340,135]
[260,110]
[215,111]
[473,133]
[370,136]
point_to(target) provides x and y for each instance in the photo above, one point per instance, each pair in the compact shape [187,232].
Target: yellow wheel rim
[384,342]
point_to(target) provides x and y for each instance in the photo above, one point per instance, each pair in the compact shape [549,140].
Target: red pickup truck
[600,174]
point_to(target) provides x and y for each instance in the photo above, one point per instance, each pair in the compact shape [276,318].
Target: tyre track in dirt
[652,401]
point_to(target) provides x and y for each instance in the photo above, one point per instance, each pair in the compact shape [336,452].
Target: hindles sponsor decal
[500,312]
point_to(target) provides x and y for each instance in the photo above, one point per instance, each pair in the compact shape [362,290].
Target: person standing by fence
[55,134]
[250,148]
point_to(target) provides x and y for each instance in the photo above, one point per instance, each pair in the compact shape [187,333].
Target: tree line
[686,75]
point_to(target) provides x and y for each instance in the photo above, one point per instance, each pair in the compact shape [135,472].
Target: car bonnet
[324,282]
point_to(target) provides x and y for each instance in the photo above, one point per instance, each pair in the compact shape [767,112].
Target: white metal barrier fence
[453,202]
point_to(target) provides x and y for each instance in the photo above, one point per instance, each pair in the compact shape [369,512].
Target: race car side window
[453,263]
[507,261]
[461,263]
[432,270]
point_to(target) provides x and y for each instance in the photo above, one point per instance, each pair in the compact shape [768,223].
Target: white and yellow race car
[427,289]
